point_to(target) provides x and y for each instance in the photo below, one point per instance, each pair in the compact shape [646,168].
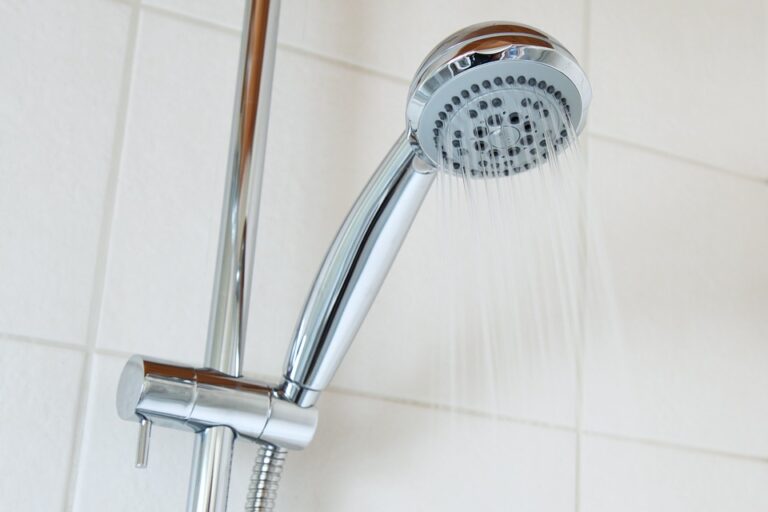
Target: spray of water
[523,291]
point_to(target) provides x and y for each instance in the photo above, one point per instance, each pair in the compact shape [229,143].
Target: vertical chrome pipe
[226,331]
[211,468]
[209,481]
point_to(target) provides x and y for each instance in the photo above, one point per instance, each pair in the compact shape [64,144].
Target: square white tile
[377,456]
[688,261]
[40,390]
[165,230]
[107,477]
[634,477]
[685,77]
[60,93]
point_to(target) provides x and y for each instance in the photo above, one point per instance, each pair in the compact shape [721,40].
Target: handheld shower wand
[467,114]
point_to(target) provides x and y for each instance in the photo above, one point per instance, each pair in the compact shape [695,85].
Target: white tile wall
[632,477]
[222,12]
[63,70]
[164,232]
[388,456]
[670,415]
[692,289]
[685,77]
[394,37]
[369,33]
[405,349]
[106,476]
[40,392]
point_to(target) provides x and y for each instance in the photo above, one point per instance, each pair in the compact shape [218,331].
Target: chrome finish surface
[197,399]
[353,270]
[495,55]
[234,268]
[142,449]
[226,330]
[289,426]
[212,464]
[267,469]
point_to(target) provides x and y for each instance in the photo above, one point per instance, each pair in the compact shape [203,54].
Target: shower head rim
[516,33]
[485,43]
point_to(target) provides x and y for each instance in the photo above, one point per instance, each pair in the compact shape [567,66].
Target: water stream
[525,284]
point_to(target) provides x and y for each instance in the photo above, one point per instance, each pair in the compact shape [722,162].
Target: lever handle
[142,449]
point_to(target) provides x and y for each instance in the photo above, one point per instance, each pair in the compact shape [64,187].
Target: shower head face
[496,99]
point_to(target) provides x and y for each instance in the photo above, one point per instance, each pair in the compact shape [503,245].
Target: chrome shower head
[495,98]
[491,100]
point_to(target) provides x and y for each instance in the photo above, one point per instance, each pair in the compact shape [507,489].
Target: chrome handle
[142,450]
[353,271]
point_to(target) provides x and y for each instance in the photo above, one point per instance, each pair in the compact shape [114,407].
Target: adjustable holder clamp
[193,399]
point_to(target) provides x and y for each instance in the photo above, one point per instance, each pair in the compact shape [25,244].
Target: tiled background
[114,119]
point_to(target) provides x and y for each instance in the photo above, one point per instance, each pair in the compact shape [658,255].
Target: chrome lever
[142,449]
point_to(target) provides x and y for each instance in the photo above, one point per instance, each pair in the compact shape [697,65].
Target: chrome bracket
[154,392]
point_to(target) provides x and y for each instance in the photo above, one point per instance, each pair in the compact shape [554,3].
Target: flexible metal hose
[265,479]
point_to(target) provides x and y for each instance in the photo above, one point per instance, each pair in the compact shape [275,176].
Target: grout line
[579,397]
[64,345]
[97,292]
[280,45]
[465,411]
[113,353]
[679,158]
[124,355]
[587,41]
[345,64]
[30,340]
[543,424]
[190,18]
[677,447]
[581,340]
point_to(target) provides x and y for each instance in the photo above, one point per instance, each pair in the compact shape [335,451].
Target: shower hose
[265,479]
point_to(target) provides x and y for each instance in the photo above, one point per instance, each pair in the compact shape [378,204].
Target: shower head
[495,99]
[491,100]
